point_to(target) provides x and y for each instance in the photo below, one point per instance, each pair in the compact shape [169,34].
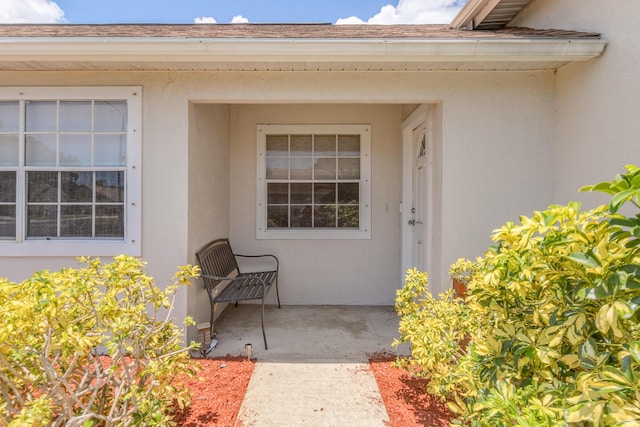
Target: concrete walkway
[316,371]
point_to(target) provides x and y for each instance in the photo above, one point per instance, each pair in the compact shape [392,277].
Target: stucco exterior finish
[597,124]
[199,166]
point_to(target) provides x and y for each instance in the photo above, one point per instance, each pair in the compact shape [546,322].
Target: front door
[418,220]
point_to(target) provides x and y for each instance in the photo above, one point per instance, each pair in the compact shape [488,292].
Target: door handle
[412,222]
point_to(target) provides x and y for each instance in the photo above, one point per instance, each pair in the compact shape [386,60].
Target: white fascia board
[297,50]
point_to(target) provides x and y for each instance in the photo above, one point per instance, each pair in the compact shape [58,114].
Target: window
[69,175]
[314,182]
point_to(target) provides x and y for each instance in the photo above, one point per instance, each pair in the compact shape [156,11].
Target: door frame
[423,115]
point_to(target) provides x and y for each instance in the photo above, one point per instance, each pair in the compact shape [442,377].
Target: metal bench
[226,283]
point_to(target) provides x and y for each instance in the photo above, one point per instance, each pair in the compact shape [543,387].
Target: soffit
[288,47]
[488,14]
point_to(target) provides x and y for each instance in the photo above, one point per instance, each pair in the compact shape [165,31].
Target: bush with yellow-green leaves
[93,345]
[552,319]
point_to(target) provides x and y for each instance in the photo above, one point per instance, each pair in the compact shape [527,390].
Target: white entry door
[417,192]
[418,211]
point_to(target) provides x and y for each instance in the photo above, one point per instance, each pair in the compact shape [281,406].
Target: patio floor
[304,333]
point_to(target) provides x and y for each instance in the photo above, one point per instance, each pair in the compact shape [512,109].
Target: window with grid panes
[313,181]
[67,168]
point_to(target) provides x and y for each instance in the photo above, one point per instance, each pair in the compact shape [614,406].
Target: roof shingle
[277,31]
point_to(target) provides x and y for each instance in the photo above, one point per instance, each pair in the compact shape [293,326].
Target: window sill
[313,235]
[57,248]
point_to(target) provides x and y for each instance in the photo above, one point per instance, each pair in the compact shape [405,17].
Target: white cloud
[412,12]
[239,19]
[30,11]
[205,20]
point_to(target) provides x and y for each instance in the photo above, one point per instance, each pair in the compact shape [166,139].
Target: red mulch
[217,390]
[218,395]
[405,397]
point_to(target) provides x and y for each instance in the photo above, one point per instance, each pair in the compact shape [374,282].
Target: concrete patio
[316,371]
[304,333]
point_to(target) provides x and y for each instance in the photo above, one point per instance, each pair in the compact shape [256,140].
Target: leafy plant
[435,328]
[57,325]
[556,302]
[461,269]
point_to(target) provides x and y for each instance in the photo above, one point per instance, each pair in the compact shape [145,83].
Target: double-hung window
[69,171]
[314,182]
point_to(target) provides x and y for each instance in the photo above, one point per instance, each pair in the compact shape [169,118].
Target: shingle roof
[278,31]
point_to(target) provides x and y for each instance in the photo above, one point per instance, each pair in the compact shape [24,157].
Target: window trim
[131,244]
[364,231]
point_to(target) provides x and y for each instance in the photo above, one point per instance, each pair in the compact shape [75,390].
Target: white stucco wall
[325,271]
[596,102]
[497,162]
[208,192]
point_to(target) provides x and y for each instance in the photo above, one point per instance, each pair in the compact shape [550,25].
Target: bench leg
[264,336]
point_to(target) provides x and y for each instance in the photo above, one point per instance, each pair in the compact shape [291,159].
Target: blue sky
[226,11]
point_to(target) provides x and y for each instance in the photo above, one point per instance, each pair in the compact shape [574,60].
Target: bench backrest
[216,259]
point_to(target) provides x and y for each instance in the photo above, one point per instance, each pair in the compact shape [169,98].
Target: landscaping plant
[554,338]
[93,345]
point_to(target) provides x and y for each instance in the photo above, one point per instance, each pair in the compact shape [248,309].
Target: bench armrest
[261,256]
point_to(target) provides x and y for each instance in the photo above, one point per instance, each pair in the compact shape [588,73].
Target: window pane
[110,116]
[324,194]
[110,186]
[301,167]
[325,145]
[301,145]
[300,194]
[348,145]
[110,150]
[325,168]
[348,193]
[109,221]
[277,168]
[42,187]
[75,221]
[301,216]
[349,168]
[40,150]
[7,222]
[41,116]
[7,187]
[9,150]
[77,187]
[277,194]
[325,216]
[277,145]
[277,216]
[75,116]
[9,116]
[75,150]
[42,221]
[349,216]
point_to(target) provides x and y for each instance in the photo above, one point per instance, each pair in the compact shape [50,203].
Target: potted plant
[459,272]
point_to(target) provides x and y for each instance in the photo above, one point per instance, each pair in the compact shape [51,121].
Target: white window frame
[131,243]
[364,230]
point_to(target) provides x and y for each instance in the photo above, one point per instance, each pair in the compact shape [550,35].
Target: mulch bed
[405,397]
[218,391]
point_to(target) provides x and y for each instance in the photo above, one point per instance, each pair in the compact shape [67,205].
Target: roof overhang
[488,14]
[290,54]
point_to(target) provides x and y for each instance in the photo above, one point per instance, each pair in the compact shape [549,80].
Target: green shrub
[556,304]
[54,328]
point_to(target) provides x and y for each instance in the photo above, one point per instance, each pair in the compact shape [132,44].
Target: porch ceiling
[274,47]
